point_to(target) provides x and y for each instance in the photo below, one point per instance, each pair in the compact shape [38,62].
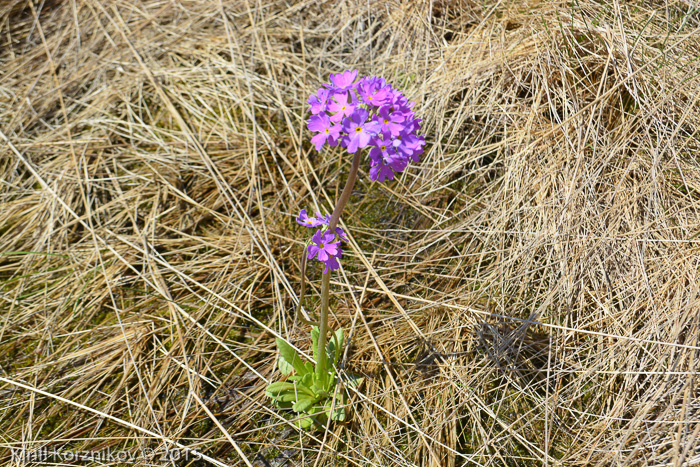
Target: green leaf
[284,366]
[331,380]
[304,403]
[319,391]
[275,388]
[288,353]
[287,396]
[309,367]
[335,346]
[306,423]
[308,380]
[338,414]
[283,405]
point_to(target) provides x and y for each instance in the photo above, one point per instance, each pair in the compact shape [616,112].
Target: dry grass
[526,295]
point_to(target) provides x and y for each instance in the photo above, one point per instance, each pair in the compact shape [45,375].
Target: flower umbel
[367,112]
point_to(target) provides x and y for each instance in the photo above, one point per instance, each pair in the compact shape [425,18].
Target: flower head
[339,232]
[383,146]
[363,113]
[380,172]
[332,263]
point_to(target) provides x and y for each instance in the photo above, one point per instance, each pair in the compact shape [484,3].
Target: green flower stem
[322,364]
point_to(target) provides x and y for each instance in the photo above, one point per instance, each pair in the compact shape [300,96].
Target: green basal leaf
[284,366]
[306,390]
[308,380]
[321,392]
[304,403]
[287,396]
[335,346]
[309,367]
[331,381]
[306,423]
[275,388]
[338,414]
[288,353]
[283,405]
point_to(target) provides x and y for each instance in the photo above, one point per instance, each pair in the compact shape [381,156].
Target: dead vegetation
[526,295]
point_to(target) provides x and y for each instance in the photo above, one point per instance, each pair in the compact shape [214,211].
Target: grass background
[526,295]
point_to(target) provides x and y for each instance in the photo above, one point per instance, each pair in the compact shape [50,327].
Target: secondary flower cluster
[363,113]
[324,246]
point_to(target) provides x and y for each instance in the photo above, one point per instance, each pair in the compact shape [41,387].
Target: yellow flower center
[383,148]
[326,130]
[358,129]
[386,120]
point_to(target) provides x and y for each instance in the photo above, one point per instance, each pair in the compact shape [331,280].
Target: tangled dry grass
[526,295]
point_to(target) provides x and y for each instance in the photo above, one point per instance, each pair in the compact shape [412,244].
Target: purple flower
[410,145]
[359,130]
[380,172]
[381,149]
[396,162]
[340,107]
[385,160]
[332,263]
[306,221]
[401,103]
[327,131]
[374,91]
[391,122]
[343,81]
[318,101]
[341,234]
[323,246]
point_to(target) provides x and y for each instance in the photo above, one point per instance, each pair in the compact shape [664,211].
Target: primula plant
[365,114]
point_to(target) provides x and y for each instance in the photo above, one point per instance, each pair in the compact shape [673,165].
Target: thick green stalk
[322,364]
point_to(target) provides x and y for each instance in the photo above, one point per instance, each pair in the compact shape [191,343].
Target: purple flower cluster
[367,113]
[324,246]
